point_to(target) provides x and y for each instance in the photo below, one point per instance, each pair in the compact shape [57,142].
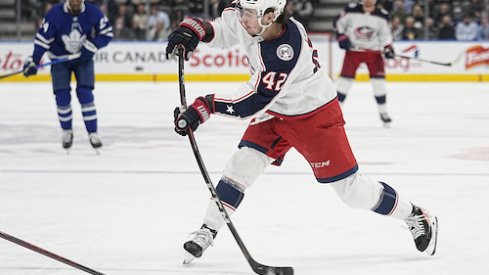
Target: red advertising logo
[11,62]
[229,59]
[476,56]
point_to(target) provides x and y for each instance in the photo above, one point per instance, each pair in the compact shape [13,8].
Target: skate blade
[431,249]
[387,125]
[188,258]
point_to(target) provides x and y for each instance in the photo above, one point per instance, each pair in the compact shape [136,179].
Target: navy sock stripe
[229,194]
[388,200]
[341,96]
[381,99]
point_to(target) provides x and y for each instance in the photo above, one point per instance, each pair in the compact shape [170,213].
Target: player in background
[292,103]
[363,32]
[69,28]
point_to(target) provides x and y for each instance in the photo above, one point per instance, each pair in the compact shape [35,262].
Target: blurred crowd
[153,20]
[446,20]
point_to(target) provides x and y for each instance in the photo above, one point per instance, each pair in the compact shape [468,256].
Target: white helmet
[262,5]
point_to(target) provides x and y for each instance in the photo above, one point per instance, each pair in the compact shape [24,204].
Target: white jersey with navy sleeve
[366,31]
[62,33]
[287,79]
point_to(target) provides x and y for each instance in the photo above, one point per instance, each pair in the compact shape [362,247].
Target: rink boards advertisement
[146,61]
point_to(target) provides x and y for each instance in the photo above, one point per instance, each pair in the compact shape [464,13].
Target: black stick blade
[273,270]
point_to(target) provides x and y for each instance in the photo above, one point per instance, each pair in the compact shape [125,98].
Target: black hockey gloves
[197,113]
[88,50]
[188,34]
[30,67]
[389,52]
[343,41]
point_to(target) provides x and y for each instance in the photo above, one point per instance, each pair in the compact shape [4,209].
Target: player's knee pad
[63,97]
[85,95]
[358,191]
[245,166]
[343,85]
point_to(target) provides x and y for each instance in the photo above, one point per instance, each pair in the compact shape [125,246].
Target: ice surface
[129,210]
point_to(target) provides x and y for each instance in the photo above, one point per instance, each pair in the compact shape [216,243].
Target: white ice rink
[129,210]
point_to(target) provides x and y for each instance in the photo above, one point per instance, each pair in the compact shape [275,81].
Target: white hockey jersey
[287,79]
[366,31]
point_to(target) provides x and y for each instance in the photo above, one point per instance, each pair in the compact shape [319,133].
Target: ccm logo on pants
[320,164]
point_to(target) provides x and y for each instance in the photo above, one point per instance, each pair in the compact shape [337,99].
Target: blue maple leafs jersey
[62,33]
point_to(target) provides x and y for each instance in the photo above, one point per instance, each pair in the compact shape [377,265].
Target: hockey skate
[95,140]
[199,241]
[67,139]
[424,228]
[386,119]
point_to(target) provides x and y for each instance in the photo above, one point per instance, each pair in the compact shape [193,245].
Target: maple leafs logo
[74,41]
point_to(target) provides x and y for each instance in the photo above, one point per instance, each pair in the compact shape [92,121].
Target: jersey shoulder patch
[281,54]
[285,52]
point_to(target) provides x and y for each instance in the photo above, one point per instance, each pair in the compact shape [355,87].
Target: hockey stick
[60,60]
[258,268]
[47,253]
[448,64]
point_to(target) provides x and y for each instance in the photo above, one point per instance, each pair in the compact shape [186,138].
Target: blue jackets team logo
[285,52]
[364,33]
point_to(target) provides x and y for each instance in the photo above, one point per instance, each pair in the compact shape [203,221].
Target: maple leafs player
[363,31]
[69,28]
[292,103]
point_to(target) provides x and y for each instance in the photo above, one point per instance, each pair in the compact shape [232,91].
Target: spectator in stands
[440,12]
[410,32]
[418,15]
[303,10]
[408,5]
[157,15]
[140,22]
[159,32]
[476,7]
[467,30]
[398,10]
[396,28]
[458,11]
[123,22]
[28,8]
[216,7]
[158,24]
[387,5]
[484,29]
[112,10]
[178,10]
[432,29]
[196,8]
[447,31]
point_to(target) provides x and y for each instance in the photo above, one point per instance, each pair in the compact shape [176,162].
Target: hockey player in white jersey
[291,103]
[363,31]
